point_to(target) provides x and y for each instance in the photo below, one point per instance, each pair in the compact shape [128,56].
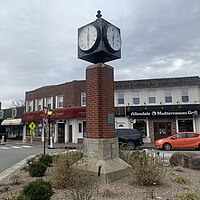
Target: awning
[11,122]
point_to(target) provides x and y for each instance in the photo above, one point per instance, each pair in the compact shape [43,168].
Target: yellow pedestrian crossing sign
[32,126]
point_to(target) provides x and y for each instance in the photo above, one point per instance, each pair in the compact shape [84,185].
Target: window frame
[120,97]
[60,99]
[152,96]
[168,95]
[83,98]
[136,97]
[185,95]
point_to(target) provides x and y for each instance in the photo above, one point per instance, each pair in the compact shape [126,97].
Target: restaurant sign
[163,113]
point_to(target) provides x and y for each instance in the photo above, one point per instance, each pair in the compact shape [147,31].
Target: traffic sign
[32,126]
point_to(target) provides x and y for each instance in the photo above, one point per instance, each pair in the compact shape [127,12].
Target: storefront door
[70,133]
[61,132]
[162,129]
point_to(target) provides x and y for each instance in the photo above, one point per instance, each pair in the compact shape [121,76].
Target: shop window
[162,129]
[185,125]
[184,95]
[83,98]
[140,125]
[168,96]
[152,96]
[80,127]
[136,97]
[120,97]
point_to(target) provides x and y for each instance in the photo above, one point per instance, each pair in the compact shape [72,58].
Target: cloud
[38,40]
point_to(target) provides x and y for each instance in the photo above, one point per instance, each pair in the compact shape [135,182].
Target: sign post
[45,121]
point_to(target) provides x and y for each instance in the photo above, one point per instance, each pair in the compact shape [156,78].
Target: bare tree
[18,103]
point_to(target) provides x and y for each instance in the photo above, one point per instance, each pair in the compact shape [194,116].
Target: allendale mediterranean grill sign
[164,113]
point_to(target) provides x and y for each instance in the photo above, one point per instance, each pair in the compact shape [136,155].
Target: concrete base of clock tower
[101,157]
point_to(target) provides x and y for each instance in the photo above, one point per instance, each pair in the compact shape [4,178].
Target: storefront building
[11,124]
[157,107]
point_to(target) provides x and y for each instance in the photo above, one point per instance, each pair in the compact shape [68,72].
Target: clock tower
[99,41]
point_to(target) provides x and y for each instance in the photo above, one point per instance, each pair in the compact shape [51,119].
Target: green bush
[188,195]
[63,174]
[147,169]
[38,190]
[22,197]
[46,159]
[37,169]
[180,180]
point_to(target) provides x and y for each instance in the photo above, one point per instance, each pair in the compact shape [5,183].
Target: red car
[182,140]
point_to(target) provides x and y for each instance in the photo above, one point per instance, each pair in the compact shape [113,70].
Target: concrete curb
[13,168]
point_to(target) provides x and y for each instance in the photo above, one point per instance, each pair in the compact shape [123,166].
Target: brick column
[101,152]
[99,101]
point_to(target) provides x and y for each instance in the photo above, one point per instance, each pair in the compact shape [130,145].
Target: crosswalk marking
[4,148]
[15,147]
[25,146]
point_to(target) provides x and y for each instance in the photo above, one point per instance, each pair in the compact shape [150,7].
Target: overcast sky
[38,41]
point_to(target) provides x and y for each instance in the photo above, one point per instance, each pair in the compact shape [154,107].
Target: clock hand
[113,37]
[88,37]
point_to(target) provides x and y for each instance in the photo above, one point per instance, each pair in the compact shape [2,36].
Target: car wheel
[131,144]
[167,146]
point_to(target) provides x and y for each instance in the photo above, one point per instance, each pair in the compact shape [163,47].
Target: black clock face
[112,38]
[89,38]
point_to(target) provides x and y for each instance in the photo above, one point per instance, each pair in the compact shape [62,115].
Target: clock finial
[99,15]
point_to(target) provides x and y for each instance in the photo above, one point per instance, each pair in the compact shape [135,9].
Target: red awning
[65,113]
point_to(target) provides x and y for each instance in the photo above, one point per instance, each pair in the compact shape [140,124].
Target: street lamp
[49,115]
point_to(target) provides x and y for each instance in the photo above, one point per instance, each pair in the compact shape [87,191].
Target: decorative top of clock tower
[99,15]
[99,41]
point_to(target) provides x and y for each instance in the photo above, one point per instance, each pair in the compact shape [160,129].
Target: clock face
[88,38]
[113,39]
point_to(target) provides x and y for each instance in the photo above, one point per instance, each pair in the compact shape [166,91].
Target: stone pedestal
[101,157]
[101,153]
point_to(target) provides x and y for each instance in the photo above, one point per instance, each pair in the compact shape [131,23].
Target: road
[12,154]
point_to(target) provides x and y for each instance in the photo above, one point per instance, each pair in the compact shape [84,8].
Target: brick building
[157,107]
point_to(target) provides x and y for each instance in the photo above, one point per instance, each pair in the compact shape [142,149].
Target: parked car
[182,140]
[130,137]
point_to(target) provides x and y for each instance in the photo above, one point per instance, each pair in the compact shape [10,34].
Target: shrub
[180,180]
[37,169]
[188,195]
[15,180]
[38,190]
[83,185]
[62,174]
[46,159]
[147,170]
[22,197]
